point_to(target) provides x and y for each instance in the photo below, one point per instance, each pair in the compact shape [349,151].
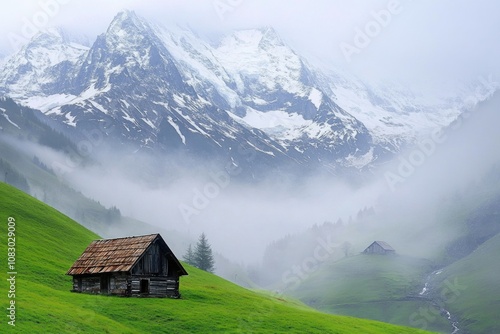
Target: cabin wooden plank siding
[379,247]
[142,266]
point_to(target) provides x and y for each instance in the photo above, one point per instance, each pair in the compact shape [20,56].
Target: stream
[444,312]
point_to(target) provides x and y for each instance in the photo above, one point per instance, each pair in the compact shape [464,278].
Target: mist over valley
[354,193]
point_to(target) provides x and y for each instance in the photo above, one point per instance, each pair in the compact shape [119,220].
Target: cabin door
[144,286]
[104,284]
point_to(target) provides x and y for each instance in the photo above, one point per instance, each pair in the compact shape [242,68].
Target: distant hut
[142,266]
[379,247]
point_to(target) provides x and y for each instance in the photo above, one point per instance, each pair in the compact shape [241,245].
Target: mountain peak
[37,65]
[125,21]
[46,38]
[127,32]
[167,87]
[124,15]
[270,35]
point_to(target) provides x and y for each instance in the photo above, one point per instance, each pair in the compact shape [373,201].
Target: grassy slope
[476,293]
[372,286]
[44,184]
[47,244]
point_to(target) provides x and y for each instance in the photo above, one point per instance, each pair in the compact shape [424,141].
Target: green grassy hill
[48,242]
[471,289]
[45,185]
[383,288]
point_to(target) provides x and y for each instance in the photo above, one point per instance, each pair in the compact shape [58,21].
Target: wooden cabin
[142,266]
[379,247]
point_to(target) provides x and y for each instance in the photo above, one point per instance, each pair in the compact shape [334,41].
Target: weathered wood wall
[157,286]
[125,285]
[87,284]
[118,285]
[154,261]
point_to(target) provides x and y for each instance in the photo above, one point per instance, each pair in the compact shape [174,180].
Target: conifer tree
[203,256]
[189,256]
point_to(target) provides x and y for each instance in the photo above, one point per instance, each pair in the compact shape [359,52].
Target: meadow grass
[47,243]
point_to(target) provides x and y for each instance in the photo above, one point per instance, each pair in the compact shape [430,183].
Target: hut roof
[116,255]
[384,245]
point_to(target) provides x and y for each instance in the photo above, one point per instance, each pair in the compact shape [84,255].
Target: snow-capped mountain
[41,67]
[267,86]
[128,87]
[280,95]
[397,117]
[167,89]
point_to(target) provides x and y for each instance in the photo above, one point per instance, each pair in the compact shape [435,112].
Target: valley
[292,169]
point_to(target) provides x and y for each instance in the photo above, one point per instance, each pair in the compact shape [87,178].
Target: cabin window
[144,286]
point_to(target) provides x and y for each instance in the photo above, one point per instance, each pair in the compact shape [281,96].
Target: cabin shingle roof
[111,255]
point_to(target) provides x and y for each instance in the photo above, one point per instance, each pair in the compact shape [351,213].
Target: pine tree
[189,256]
[203,257]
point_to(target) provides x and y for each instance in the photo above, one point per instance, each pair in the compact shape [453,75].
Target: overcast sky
[420,41]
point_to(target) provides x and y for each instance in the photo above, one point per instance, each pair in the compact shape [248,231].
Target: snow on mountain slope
[38,65]
[280,95]
[130,87]
[268,61]
[165,87]
[259,80]
[397,116]
[275,122]
[384,123]
[200,67]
